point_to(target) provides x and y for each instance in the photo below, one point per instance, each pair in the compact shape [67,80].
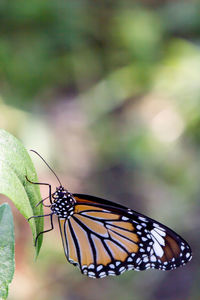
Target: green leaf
[15,164]
[7,246]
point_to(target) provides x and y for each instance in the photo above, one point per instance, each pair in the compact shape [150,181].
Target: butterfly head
[60,193]
[63,203]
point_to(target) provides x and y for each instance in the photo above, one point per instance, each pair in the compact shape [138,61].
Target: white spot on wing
[129,259]
[153,258]
[125,218]
[145,259]
[187,255]
[102,274]
[90,273]
[138,227]
[122,270]
[142,219]
[156,225]
[91,266]
[157,248]
[112,273]
[99,268]
[159,231]
[190,258]
[111,266]
[158,237]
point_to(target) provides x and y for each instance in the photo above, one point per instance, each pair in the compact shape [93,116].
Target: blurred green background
[108,92]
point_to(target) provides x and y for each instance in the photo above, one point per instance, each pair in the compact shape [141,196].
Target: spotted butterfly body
[104,238]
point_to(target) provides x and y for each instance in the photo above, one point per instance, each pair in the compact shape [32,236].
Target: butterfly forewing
[104,238]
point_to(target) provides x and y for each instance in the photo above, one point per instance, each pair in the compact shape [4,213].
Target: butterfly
[104,238]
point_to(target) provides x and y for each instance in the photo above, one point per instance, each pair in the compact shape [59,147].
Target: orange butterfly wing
[105,238]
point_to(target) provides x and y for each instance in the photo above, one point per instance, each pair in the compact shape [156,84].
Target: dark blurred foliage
[109,93]
[50,46]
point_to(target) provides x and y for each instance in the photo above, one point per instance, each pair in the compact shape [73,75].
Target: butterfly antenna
[47,166]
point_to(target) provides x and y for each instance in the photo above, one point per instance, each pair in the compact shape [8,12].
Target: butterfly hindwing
[104,238]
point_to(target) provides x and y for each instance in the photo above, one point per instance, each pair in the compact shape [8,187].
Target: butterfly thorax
[63,203]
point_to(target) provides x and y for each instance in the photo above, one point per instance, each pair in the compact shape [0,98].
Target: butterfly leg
[42,201]
[39,216]
[42,183]
[51,219]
